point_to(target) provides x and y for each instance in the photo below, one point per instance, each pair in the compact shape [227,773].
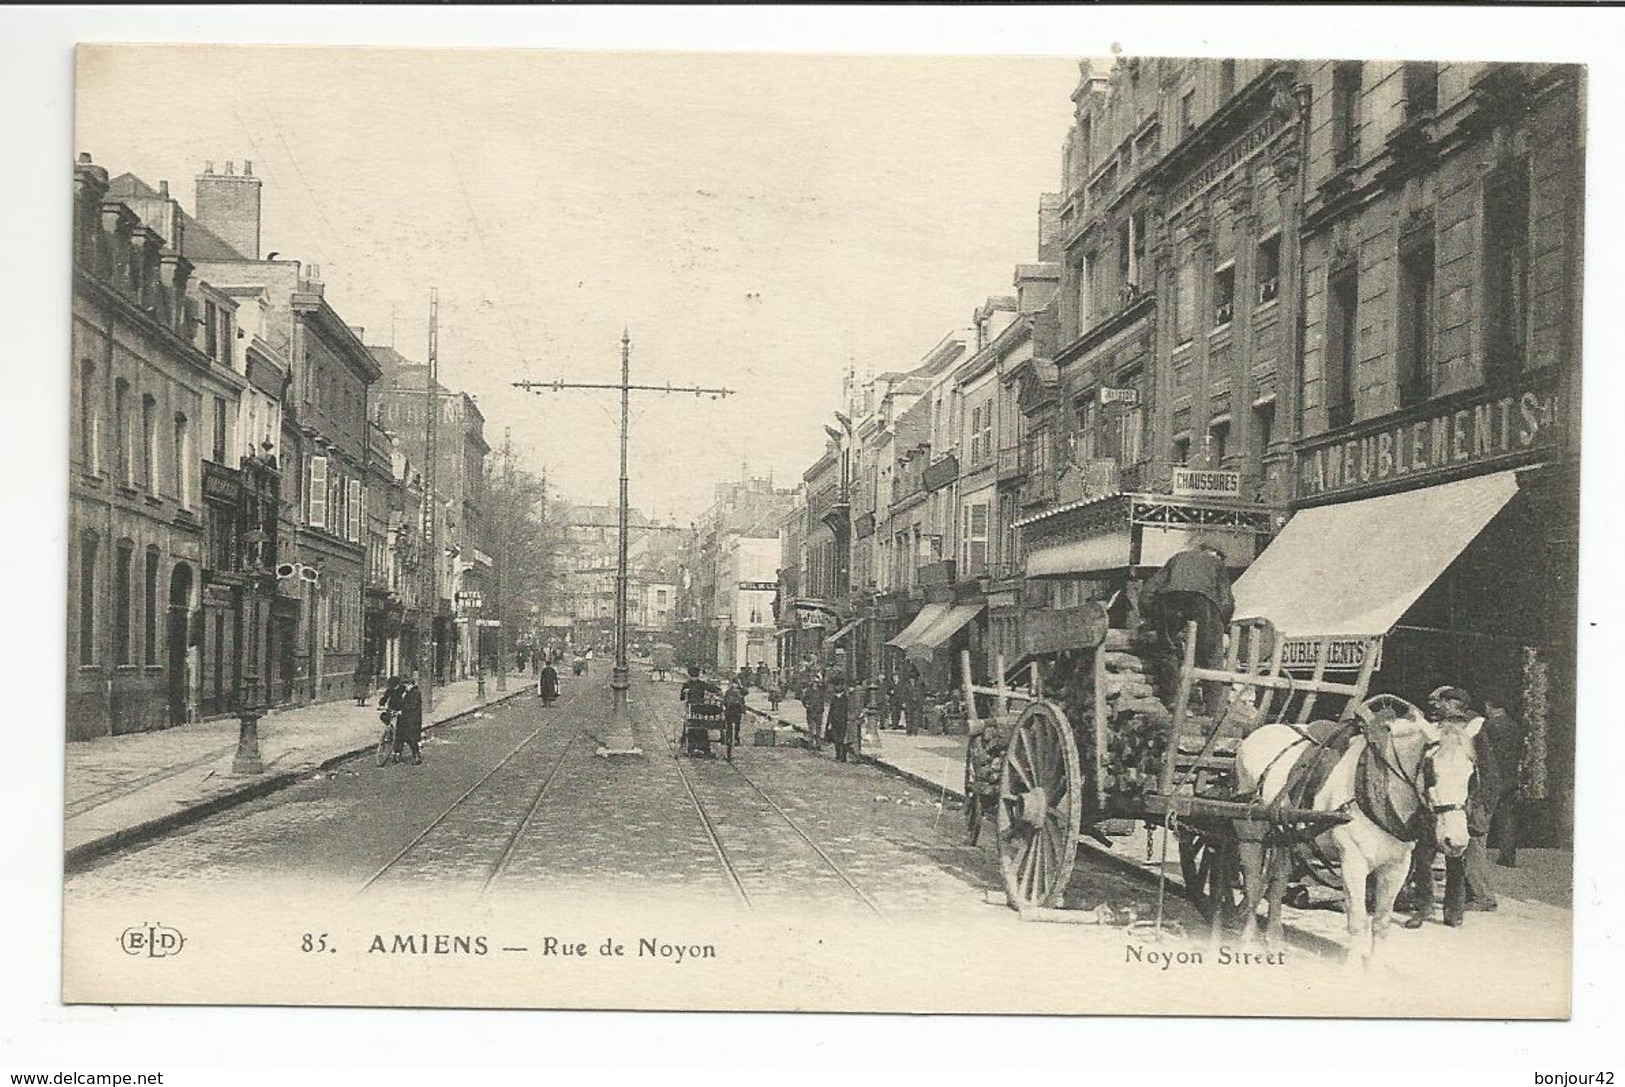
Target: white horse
[1399,770]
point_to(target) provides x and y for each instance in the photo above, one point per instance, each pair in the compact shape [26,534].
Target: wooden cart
[1051,763]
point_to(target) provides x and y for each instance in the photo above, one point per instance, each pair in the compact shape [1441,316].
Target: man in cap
[1193,585]
[1466,878]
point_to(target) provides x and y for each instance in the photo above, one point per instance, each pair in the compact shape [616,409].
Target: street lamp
[247,762]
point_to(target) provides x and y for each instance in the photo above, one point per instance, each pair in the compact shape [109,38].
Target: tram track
[497,866]
[715,836]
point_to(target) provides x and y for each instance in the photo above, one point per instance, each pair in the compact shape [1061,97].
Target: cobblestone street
[515,805]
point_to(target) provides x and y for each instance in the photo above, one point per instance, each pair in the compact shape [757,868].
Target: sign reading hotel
[1479,434]
[1201,482]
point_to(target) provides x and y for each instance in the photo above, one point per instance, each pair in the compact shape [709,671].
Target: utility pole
[620,740]
[431,510]
[505,535]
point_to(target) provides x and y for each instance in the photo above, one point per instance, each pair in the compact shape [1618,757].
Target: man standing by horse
[1193,585]
[1467,877]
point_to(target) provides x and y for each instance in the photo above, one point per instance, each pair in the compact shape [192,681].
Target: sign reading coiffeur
[1494,428]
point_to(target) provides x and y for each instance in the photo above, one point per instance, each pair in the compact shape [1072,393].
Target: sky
[756,222]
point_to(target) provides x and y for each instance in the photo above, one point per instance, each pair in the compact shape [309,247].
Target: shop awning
[1355,568]
[922,622]
[1108,551]
[844,631]
[939,632]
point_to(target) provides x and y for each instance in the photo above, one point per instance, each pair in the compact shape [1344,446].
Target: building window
[121,428]
[316,515]
[1086,293]
[975,550]
[1218,442]
[1227,80]
[1187,114]
[1346,76]
[1416,317]
[183,460]
[219,431]
[88,417]
[87,598]
[1342,309]
[1185,303]
[121,604]
[1180,455]
[1136,248]
[149,444]
[1421,89]
[1263,427]
[1268,274]
[150,643]
[211,330]
[1506,265]
[1224,295]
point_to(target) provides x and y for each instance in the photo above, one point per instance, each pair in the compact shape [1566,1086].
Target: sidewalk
[124,789]
[1535,896]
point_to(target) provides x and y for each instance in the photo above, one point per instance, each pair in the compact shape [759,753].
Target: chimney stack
[228,204]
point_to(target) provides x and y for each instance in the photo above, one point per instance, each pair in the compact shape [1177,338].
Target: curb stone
[80,856]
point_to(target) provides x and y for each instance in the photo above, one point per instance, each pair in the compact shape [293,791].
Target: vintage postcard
[652,530]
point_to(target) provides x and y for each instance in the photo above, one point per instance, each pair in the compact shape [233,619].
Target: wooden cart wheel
[1211,871]
[975,812]
[1040,807]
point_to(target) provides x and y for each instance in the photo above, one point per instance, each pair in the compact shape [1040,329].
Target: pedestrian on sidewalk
[894,701]
[408,703]
[363,682]
[812,700]
[1505,737]
[913,703]
[838,727]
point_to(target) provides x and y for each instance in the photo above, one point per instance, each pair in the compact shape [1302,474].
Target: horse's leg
[1255,884]
[1391,877]
[1280,869]
[1354,870]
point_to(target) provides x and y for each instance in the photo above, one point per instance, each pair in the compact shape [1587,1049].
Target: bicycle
[386,742]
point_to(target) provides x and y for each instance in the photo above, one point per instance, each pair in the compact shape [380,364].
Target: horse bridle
[1423,789]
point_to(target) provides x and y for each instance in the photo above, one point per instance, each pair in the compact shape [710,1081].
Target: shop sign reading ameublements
[1482,432]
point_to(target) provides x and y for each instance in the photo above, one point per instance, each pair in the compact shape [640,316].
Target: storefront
[1452,536]
[1098,548]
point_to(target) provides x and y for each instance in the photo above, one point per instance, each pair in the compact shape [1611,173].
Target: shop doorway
[177,637]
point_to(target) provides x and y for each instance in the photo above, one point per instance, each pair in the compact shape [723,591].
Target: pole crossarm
[620,740]
[560,386]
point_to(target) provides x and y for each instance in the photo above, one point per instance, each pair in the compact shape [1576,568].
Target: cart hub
[1034,806]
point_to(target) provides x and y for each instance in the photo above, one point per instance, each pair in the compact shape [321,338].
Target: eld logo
[153,941]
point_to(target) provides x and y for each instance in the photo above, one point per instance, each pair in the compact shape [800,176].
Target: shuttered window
[355,511]
[317,517]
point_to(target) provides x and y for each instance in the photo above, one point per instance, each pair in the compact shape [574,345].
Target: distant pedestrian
[733,709]
[894,701]
[762,676]
[812,700]
[363,682]
[838,725]
[914,703]
[408,706]
[547,684]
